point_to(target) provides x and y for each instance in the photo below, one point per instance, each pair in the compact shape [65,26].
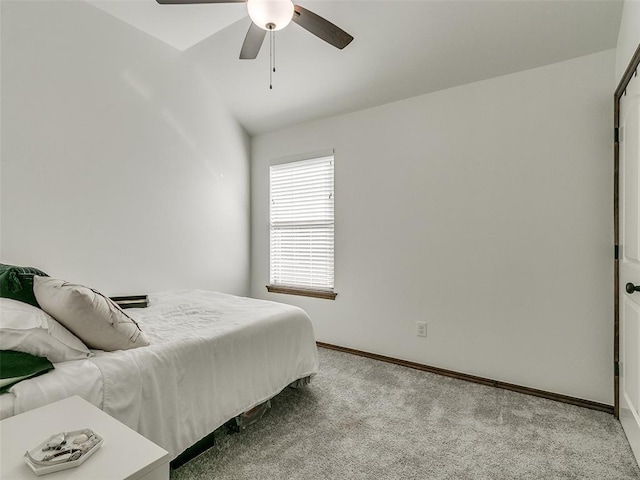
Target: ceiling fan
[272,15]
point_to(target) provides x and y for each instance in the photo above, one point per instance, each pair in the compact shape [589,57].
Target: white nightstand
[125,454]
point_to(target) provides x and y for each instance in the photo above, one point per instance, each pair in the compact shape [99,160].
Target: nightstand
[125,454]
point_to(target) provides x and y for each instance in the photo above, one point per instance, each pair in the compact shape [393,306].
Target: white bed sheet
[77,377]
[212,356]
[6,405]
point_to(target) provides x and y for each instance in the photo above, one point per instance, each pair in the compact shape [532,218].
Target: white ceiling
[401,49]
[181,26]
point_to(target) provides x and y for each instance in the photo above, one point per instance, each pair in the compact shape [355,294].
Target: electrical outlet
[422,329]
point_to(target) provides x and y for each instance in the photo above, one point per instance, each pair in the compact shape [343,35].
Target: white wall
[121,168]
[628,37]
[485,210]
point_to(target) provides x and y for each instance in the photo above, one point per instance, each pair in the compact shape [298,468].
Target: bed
[211,357]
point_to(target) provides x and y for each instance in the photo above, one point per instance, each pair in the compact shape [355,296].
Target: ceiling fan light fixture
[270,14]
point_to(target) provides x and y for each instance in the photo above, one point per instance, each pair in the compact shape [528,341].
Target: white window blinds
[302,224]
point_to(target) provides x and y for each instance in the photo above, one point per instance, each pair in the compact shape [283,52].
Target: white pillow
[25,328]
[94,318]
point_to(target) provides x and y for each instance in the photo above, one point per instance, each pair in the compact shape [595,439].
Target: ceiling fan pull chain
[271,69]
[274,51]
[270,59]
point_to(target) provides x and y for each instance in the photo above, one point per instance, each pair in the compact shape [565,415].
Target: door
[629,263]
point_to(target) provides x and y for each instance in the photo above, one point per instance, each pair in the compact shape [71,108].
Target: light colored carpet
[364,419]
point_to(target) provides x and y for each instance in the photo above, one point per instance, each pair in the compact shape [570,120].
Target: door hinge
[616,135]
[616,369]
[616,252]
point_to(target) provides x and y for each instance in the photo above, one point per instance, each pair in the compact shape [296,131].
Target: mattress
[212,356]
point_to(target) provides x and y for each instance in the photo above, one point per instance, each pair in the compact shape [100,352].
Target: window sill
[305,292]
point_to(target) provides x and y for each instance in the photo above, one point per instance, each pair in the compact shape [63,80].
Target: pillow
[97,320]
[18,366]
[17,283]
[27,329]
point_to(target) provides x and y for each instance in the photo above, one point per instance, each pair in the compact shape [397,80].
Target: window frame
[322,293]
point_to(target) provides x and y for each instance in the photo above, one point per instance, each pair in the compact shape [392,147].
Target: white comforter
[212,356]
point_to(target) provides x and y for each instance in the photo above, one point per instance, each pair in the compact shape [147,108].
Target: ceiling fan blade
[186,2]
[321,28]
[252,42]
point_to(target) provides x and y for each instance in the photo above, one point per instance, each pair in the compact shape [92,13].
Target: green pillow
[18,366]
[16,283]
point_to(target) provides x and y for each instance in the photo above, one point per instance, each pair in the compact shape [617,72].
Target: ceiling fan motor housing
[270,15]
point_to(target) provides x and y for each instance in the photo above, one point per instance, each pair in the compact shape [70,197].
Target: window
[302,226]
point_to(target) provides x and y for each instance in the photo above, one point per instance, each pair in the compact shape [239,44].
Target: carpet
[365,419]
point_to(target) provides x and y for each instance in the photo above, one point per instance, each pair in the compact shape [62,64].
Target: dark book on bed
[132,301]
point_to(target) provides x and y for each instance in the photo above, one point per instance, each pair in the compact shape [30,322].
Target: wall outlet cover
[421,329]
